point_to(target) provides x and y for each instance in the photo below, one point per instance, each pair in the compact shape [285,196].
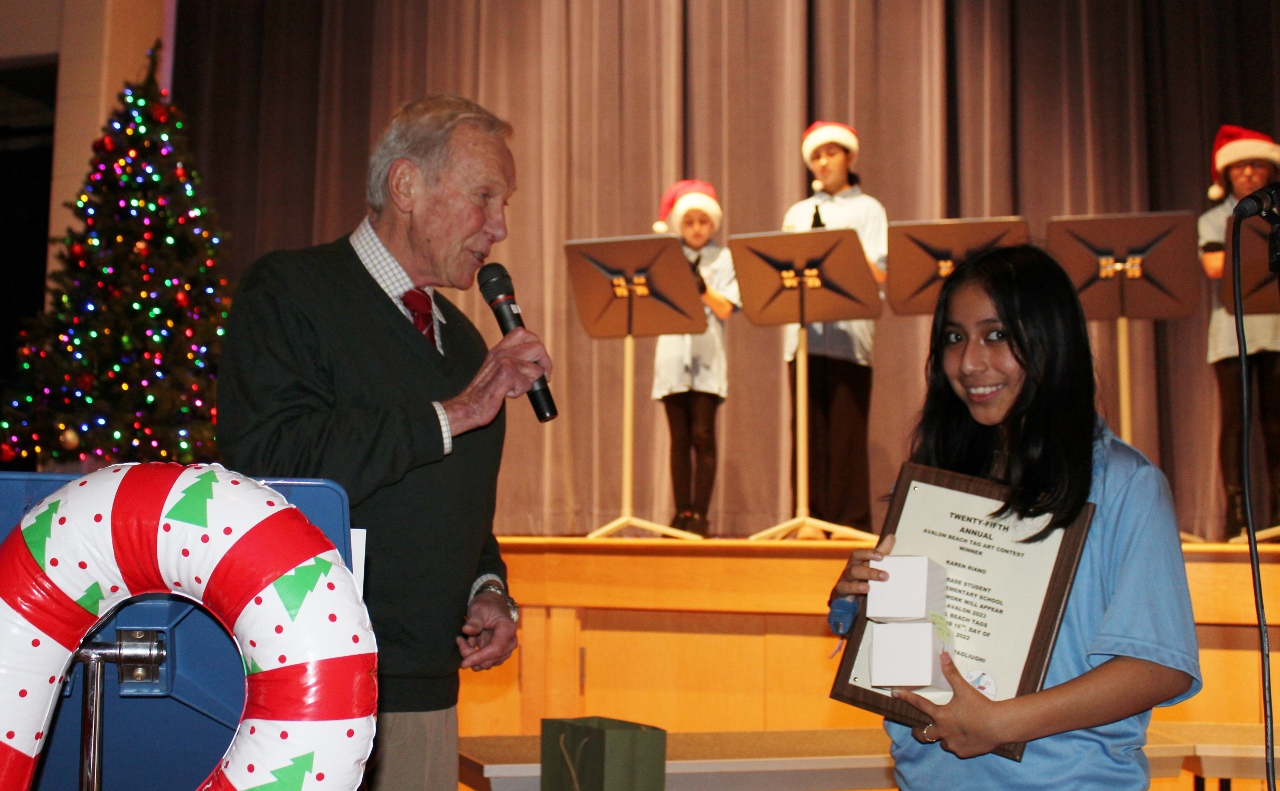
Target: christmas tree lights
[122,366]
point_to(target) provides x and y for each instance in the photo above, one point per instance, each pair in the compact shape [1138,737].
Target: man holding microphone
[342,362]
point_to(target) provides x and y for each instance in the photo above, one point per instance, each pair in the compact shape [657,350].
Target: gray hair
[420,132]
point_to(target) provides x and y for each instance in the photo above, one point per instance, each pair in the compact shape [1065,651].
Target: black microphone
[1263,202]
[497,290]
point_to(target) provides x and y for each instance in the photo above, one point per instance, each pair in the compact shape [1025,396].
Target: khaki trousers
[414,751]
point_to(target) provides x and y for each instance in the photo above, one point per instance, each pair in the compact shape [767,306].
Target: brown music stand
[1260,292]
[812,276]
[1129,266]
[925,253]
[624,287]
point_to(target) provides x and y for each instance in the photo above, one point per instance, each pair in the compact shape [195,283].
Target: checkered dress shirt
[393,280]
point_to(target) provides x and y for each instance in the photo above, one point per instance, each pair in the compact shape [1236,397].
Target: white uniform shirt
[844,340]
[698,362]
[1263,330]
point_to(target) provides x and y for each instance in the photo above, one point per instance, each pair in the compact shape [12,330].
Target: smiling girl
[1011,397]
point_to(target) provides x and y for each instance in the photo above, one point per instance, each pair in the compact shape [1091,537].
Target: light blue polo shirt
[1130,598]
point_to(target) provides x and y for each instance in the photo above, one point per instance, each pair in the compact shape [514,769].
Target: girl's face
[830,165]
[978,358]
[696,228]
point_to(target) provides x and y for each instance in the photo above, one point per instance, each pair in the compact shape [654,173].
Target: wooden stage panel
[696,669]
[732,636]
[799,669]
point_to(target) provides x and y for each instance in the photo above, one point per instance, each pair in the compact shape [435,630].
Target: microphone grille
[494,281]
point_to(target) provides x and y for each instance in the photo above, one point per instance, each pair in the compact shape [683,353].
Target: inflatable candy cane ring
[234,546]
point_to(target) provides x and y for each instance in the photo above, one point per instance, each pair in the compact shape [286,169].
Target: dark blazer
[322,377]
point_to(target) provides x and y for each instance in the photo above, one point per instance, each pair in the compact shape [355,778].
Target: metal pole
[91,724]
[1125,379]
[628,422]
[802,423]
[136,649]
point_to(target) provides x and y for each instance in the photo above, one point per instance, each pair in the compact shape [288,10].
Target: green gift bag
[600,754]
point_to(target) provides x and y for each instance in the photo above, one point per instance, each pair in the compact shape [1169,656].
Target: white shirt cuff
[481,580]
[445,433]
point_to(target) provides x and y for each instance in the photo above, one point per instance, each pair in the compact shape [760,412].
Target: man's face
[830,165]
[457,218]
[1249,175]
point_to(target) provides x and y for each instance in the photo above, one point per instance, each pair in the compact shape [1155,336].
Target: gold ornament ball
[69,439]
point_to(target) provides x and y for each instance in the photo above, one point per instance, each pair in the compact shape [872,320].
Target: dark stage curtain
[247,74]
[965,108]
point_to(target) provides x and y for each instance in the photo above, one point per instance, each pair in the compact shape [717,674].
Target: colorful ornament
[69,439]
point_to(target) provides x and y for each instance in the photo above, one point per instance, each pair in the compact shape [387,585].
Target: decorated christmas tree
[122,366]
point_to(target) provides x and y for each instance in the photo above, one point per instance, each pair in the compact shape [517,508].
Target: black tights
[692,418]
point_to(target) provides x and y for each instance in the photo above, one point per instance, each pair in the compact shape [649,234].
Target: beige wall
[101,44]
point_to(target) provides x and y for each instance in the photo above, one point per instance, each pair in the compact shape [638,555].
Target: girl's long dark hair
[1049,432]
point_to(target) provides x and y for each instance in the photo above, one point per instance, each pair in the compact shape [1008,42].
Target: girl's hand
[969,725]
[854,580]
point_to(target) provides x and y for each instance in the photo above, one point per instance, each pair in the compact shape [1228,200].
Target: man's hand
[489,634]
[509,370]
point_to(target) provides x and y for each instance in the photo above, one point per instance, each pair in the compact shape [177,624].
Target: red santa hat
[683,196]
[1236,144]
[820,133]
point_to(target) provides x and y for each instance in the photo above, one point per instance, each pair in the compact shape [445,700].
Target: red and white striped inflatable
[236,547]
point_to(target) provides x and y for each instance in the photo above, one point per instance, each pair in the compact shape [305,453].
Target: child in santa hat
[690,371]
[839,351]
[1243,162]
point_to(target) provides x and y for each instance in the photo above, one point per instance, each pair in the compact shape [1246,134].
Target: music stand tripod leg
[799,521]
[627,518]
[1124,376]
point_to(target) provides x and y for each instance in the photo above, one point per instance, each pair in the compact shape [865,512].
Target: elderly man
[342,362]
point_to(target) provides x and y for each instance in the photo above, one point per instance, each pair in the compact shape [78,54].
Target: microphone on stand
[1265,203]
[497,290]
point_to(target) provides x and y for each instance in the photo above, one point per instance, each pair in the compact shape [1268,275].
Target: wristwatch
[512,607]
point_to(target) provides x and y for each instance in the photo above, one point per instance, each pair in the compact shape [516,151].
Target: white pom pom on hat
[820,133]
[1236,144]
[683,196]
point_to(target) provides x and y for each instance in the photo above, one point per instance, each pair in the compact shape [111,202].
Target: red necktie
[419,304]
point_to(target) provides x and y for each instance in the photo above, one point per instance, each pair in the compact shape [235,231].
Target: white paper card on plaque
[907,655]
[996,583]
[916,589]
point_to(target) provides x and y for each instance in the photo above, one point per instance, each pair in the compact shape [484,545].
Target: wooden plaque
[1261,292]
[924,253]
[1005,596]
